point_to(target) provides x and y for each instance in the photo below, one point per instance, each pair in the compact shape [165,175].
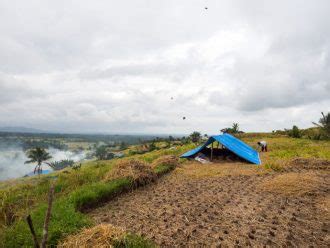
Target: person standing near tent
[263,145]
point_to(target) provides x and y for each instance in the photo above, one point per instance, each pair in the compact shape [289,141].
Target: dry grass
[103,235]
[139,171]
[324,206]
[292,183]
[168,160]
[197,170]
[309,164]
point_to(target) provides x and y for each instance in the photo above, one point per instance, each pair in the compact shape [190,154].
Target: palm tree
[235,128]
[37,155]
[324,123]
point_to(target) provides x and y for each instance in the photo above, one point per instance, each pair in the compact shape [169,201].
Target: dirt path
[229,210]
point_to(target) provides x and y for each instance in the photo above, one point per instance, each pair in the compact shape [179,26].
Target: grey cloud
[16,90]
[114,66]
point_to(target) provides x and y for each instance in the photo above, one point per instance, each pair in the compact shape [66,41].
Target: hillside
[226,202]
[21,130]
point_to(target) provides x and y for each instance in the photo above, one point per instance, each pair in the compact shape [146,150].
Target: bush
[274,166]
[295,132]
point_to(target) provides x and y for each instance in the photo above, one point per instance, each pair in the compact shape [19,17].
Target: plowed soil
[225,210]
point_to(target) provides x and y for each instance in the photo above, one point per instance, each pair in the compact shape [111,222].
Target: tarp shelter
[231,143]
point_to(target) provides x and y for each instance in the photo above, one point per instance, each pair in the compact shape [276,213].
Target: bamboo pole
[35,240]
[212,151]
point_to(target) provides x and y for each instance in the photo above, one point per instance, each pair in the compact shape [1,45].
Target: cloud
[142,66]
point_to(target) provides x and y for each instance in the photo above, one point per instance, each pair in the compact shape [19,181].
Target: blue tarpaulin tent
[231,143]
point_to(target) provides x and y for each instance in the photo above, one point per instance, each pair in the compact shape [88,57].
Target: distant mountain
[21,130]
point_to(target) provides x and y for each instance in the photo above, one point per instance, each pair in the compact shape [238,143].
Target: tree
[101,152]
[324,123]
[37,155]
[123,145]
[235,128]
[295,132]
[60,165]
[195,136]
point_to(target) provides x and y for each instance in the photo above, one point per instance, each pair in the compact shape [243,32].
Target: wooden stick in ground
[47,217]
[212,151]
[35,240]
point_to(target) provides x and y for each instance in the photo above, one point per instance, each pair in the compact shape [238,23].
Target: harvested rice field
[229,204]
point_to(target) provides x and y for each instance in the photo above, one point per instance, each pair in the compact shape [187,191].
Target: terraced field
[244,206]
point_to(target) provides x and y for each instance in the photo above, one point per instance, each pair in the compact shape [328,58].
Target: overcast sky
[141,66]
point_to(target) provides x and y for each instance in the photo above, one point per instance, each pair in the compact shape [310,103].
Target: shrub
[295,132]
[274,166]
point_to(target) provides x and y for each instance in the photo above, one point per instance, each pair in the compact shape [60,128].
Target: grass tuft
[274,166]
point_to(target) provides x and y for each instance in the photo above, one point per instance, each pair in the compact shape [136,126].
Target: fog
[12,161]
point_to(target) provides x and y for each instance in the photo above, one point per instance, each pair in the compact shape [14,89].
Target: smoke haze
[12,161]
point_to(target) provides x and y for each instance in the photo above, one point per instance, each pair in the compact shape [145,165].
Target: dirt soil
[182,210]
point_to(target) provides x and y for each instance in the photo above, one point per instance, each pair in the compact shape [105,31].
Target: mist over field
[12,160]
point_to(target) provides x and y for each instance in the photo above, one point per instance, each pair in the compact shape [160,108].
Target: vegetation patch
[64,220]
[197,170]
[140,173]
[165,164]
[93,195]
[275,166]
[90,192]
[292,183]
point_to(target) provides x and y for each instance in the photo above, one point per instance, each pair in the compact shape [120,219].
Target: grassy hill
[96,182]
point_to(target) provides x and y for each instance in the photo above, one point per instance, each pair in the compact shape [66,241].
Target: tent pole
[212,151]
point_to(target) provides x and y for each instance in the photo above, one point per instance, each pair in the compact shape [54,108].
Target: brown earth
[227,205]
